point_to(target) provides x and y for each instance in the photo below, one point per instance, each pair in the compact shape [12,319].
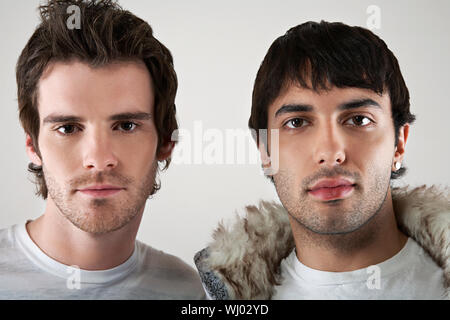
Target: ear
[401,143]
[265,158]
[165,150]
[31,152]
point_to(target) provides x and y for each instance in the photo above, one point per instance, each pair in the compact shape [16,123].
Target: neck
[376,241]
[59,239]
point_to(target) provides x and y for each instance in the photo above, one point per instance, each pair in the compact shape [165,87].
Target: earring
[397,165]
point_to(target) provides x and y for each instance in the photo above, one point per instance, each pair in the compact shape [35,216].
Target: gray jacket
[243,262]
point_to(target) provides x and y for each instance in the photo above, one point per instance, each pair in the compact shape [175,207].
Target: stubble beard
[341,225]
[102,215]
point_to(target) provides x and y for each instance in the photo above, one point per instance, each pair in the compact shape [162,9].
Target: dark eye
[67,129]
[127,126]
[359,121]
[295,123]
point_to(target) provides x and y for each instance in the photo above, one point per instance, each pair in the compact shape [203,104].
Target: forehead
[77,88]
[330,100]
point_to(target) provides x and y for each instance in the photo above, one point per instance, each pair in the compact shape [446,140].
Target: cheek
[294,160]
[136,152]
[376,152]
[291,153]
[58,157]
[136,155]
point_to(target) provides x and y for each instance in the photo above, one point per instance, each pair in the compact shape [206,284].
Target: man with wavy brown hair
[96,101]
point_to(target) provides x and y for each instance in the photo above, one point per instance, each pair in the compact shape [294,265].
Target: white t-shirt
[410,274]
[26,272]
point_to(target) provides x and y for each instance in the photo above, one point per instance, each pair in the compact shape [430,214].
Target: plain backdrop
[217,48]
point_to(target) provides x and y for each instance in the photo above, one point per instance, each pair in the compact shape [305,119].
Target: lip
[100,190]
[332,189]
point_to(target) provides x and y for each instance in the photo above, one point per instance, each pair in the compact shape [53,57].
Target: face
[97,141]
[336,151]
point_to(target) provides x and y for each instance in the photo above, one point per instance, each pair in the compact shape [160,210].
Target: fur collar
[243,262]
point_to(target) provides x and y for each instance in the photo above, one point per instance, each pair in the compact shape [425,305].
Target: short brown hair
[107,34]
[330,54]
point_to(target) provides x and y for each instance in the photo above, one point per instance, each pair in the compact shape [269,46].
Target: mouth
[102,191]
[332,189]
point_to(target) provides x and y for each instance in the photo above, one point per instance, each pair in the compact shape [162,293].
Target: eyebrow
[358,103]
[131,116]
[116,117]
[288,108]
[353,104]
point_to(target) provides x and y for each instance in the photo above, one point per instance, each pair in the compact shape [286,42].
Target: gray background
[217,48]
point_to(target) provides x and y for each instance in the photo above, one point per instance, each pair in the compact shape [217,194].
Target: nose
[330,147]
[98,152]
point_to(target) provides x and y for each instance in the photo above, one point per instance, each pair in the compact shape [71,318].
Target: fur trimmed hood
[243,262]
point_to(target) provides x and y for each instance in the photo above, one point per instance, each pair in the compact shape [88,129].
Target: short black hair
[321,55]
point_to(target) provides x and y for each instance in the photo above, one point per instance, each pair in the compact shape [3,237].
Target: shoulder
[243,259]
[154,258]
[421,259]
[7,237]
[12,256]
[170,270]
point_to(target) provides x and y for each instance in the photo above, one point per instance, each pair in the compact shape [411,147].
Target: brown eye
[66,129]
[295,123]
[359,121]
[127,126]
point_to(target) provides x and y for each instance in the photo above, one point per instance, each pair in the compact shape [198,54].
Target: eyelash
[359,115]
[78,128]
[290,121]
[350,118]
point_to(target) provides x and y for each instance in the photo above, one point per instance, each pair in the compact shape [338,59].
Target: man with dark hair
[336,99]
[96,102]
